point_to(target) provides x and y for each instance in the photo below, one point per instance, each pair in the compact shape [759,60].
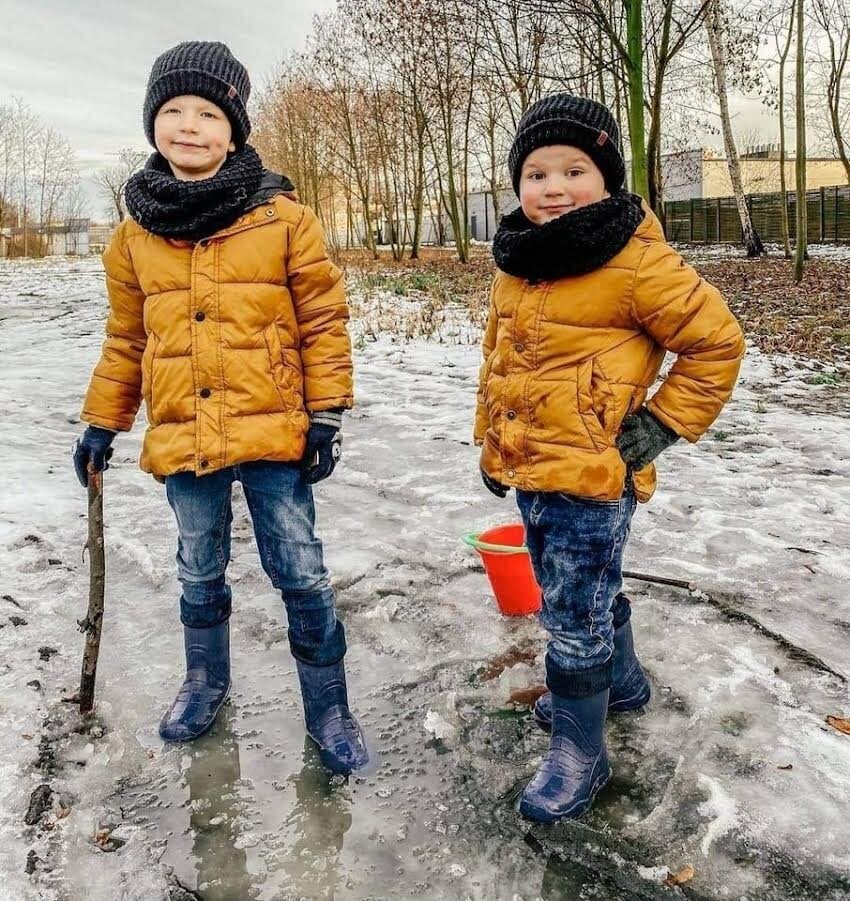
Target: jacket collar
[271,185]
[650,228]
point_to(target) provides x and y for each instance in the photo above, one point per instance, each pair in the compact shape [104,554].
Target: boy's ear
[231,147]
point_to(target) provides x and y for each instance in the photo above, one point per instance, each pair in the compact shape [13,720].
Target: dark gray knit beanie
[578,121]
[204,68]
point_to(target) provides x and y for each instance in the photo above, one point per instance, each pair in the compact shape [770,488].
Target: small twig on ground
[658,580]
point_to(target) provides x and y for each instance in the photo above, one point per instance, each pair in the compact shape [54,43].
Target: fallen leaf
[101,837]
[62,812]
[684,875]
[785,766]
[26,735]
[524,652]
[150,754]
[839,723]
[526,697]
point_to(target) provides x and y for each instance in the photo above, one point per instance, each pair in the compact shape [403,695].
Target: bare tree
[451,89]
[54,170]
[783,182]
[717,29]
[27,130]
[113,179]
[802,225]
[8,147]
[74,206]
[833,16]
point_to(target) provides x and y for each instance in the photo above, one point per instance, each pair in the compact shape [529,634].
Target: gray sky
[82,65]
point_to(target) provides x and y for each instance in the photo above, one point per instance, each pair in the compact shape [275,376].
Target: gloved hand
[642,438]
[497,488]
[324,446]
[95,448]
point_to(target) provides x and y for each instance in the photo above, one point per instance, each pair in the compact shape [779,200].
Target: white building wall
[682,175]
[482,222]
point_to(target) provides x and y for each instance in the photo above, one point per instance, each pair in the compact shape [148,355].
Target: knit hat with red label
[577,121]
[206,69]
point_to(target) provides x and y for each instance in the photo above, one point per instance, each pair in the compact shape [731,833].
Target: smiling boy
[587,300]
[229,321]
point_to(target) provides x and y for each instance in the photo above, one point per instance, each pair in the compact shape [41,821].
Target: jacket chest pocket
[285,364]
[148,358]
[595,402]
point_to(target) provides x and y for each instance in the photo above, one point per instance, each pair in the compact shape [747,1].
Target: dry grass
[809,320]
[438,297]
[435,297]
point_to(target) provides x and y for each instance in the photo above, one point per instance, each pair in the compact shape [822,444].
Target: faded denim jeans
[576,547]
[281,506]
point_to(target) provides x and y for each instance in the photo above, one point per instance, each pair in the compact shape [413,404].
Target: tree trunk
[802,236]
[418,194]
[783,183]
[637,127]
[653,146]
[717,43]
[838,64]
[653,156]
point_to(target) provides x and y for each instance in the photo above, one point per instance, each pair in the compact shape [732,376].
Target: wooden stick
[92,624]
[659,580]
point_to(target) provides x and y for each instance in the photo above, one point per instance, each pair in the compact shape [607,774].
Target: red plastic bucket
[508,567]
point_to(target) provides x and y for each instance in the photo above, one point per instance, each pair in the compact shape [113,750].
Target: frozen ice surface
[731,769]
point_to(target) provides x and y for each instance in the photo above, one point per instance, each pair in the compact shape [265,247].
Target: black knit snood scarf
[192,210]
[572,244]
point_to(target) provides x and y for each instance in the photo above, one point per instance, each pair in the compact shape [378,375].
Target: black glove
[497,488]
[94,447]
[642,438]
[324,446]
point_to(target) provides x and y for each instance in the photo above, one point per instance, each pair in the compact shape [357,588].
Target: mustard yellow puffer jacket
[231,341]
[566,361]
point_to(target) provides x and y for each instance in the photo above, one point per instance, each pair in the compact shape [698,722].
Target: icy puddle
[731,770]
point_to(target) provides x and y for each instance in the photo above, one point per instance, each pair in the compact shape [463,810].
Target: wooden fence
[715,220]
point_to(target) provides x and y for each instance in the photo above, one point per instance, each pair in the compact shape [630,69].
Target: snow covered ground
[696,252]
[731,769]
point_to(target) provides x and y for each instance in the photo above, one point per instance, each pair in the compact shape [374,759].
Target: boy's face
[194,135]
[558,179]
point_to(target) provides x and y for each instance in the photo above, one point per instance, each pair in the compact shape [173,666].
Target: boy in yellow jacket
[229,321]
[587,299]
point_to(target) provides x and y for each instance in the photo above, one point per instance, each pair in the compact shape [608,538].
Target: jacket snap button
[200,316]
[203,463]
[204,242]
[519,348]
[270,213]
[511,414]
[205,392]
[511,473]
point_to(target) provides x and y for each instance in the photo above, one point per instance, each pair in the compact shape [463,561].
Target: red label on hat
[603,137]
[231,93]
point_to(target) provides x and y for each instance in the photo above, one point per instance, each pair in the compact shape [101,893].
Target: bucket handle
[471,539]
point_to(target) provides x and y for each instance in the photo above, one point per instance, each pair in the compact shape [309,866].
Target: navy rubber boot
[330,722]
[629,688]
[576,765]
[206,686]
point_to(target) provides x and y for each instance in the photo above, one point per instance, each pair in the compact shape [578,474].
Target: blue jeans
[281,507]
[576,548]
